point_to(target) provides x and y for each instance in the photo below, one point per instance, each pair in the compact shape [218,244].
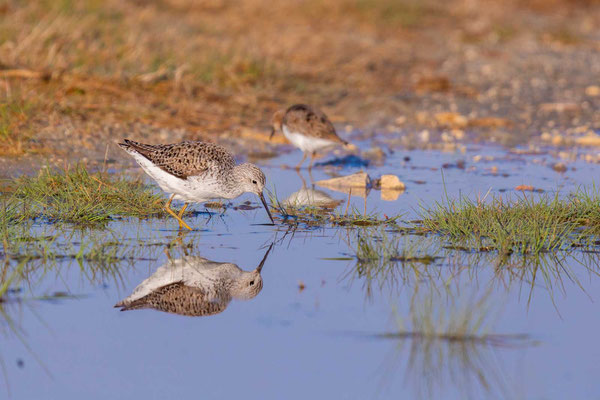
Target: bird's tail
[130,305]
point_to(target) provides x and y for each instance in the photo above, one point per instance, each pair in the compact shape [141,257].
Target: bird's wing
[310,122]
[177,298]
[184,159]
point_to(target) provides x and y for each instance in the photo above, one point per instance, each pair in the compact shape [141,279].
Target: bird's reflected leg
[223,209]
[301,161]
[170,211]
[312,159]
[302,178]
[206,210]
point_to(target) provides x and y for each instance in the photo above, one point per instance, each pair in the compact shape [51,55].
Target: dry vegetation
[75,75]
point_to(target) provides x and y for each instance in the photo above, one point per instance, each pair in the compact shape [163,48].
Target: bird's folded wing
[178,298]
[186,158]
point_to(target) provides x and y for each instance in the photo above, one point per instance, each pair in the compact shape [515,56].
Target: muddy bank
[422,72]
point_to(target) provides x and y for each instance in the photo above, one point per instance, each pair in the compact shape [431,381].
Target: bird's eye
[254,182]
[251,283]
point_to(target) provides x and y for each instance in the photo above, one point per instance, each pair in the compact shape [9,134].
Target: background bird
[307,128]
[195,172]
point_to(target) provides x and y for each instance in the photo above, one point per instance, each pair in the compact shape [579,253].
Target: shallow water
[317,328]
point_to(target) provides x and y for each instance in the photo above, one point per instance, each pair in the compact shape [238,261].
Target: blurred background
[75,75]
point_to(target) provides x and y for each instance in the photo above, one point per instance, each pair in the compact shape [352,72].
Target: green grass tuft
[525,225]
[77,196]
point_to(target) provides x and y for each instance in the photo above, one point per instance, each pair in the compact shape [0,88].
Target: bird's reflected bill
[272,133]
[259,268]
[262,198]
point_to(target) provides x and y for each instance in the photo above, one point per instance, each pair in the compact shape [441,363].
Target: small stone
[559,107]
[391,182]
[525,188]
[358,180]
[301,286]
[592,91]
[422,117]
[591,139]
[458,134]
[557,140]
[489,122]
[559,167]
[451,119]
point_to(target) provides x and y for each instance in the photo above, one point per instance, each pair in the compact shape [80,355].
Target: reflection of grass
[524,226]
[379,246]
[451,344]
[37,261]
[388,260]
[550,271]
[30,254]
[78,196]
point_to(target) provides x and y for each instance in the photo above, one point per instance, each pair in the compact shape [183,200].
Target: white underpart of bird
[305,143]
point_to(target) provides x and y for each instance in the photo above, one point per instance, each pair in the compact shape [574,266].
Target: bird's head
[276,122]
[248,286]
[253,180]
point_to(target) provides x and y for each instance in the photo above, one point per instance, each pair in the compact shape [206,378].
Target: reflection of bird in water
[311,197]
[195,286]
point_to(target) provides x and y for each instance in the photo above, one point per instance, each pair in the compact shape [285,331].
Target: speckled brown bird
[195,286]
[307,128]
[195,172]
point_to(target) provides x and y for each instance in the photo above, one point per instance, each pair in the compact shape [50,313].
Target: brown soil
[77,76]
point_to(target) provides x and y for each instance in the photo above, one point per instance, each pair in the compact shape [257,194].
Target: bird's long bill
[272,132]
[259,268]
[262,198]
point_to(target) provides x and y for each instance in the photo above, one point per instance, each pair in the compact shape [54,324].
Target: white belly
[305,143]
[188,190]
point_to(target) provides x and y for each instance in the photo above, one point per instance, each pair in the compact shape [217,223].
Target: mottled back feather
[310,122]
[189,158]
[177,298]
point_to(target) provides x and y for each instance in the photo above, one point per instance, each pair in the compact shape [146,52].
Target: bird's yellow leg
[181,223]
[301,161]
[182,210]
[168,209]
